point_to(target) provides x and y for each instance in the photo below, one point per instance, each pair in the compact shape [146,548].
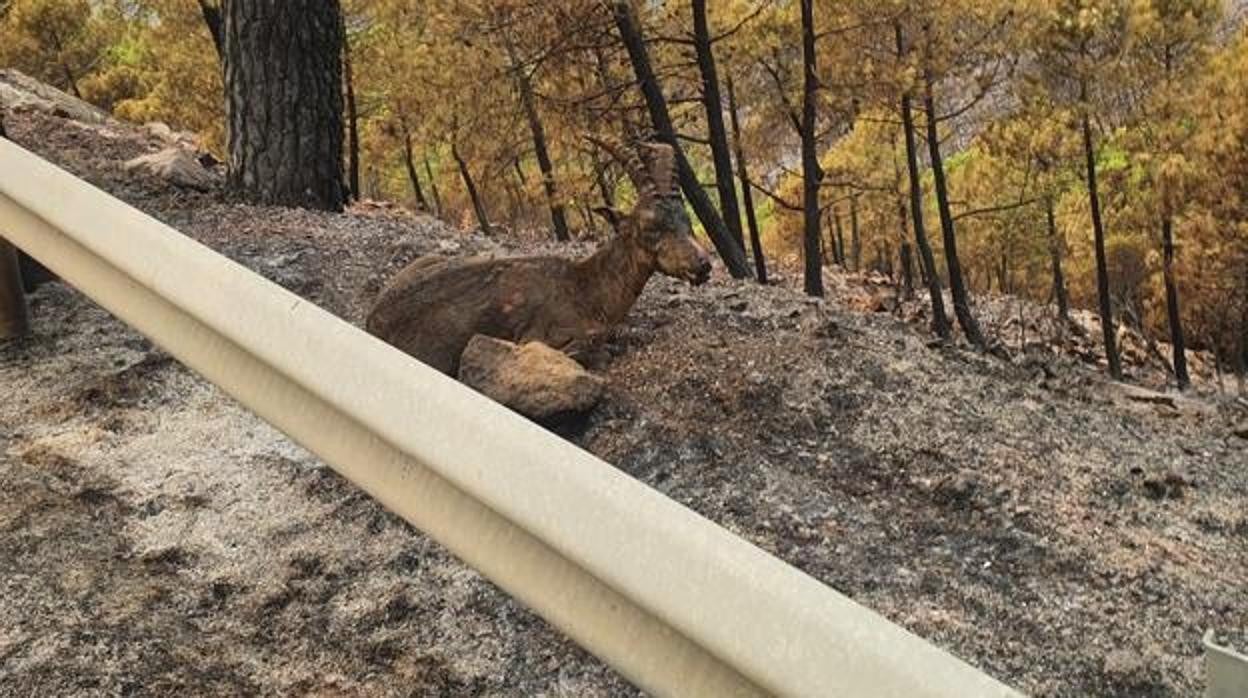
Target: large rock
[176,165]
[19,92]
[532,379]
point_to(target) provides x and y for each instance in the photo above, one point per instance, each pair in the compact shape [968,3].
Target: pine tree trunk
[353,123]
[1172,303]
[283,88]
[1055,256]
[1098,233]
[855,235]
[725,244]
[812,173]
[716,132]
[411,172]
[478,206]
[524,85]
[212,18]
[927,261]
[907,260]
[957,285]
[838,247]
[747,198]
[433,188]
[14,315]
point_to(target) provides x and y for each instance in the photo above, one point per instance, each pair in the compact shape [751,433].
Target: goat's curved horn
[662,167]
[630,161]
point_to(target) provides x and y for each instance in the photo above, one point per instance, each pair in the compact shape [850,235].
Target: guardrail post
[14,318]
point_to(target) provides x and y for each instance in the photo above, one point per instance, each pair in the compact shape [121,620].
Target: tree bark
[14,315]
[656,104]
[524,86]
[283,85]
[927,262]
[478,206]
[411,172]
[747,198]
[1098,234]
[353,121]
[812,173]
[1172,303]
[715,130]
[433,188]
[1055,256]
[212,18]
[957,285]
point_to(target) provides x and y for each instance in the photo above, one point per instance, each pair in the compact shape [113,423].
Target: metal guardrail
[1226,671]
[676,604]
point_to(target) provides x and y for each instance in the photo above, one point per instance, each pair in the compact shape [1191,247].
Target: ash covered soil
[1070,536]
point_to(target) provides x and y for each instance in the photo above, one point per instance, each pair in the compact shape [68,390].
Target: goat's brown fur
[433,307]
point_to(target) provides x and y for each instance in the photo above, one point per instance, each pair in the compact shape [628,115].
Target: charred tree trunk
[524,85]
[478,206]
[957,285]
[747,199]
[212,18]
[14,315]
[812,173]
[283,88]
[353,122]
[1172,303]
[907,260]
[927,262]
[1055,256]
[725,244]
[1098,234]
[838,246]
[417,190]
[433,188]
[715,130]
[855,235]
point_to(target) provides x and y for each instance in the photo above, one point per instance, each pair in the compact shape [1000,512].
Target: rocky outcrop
[175,165]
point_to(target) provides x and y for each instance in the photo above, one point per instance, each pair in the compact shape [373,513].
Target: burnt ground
[1024,513]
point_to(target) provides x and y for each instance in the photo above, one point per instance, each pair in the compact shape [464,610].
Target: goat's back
[433,307]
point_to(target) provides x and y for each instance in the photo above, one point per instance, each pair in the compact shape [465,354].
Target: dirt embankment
[1069,536]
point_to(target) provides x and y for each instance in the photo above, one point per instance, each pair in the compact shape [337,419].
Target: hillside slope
[1052,528]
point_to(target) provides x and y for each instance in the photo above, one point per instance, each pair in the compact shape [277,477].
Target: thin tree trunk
[812,174]
[283,85]
[433,187]
[838,247]
[1098,233]
[478,206]
[907,261]
[716,132]
[524,84]
[747,198]
[411,171]
[940,322]
[1055,256]
[353,122]
[1172,303]
[957,285]
[855,236]
[212,18]
[630,34]
[14,315]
